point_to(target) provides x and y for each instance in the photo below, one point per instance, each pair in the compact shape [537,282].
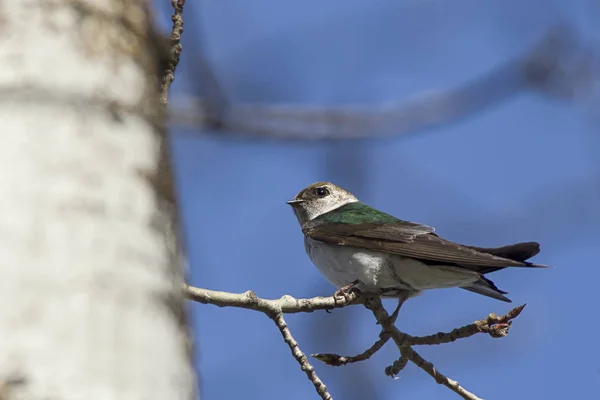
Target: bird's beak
[293,202]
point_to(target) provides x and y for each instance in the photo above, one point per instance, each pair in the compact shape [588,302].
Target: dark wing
[406,239]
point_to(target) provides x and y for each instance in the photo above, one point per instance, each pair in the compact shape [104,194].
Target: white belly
[376,271]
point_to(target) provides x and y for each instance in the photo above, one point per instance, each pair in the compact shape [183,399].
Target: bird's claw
[344,295]
[344,291]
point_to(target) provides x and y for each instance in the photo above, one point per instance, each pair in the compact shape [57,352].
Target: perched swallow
[352,243]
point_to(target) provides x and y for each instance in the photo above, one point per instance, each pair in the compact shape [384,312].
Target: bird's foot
[345,291]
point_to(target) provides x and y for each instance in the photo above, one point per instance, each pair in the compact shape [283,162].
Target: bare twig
[300,356]
[437,375]
[493,325]
[396,367]
[175,40]
[275,309]
[374,304]
[286,304]
[337,360]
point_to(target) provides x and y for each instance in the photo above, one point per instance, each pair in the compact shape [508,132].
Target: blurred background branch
[560,66]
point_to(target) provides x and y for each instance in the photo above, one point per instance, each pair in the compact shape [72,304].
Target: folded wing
[418,241]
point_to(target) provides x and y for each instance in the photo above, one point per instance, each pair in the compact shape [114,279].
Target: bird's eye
[322,191]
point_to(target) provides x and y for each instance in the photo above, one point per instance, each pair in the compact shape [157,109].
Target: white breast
[343,265]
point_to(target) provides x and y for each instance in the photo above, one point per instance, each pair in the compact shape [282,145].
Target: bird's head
[319,198]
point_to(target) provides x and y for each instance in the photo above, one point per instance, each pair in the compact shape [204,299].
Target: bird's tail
[517,252]
[520,252]
[487,288]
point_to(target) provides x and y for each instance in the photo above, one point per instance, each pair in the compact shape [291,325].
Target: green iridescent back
[356,213]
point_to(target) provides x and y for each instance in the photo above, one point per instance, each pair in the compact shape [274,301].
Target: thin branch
[336,360]
[274,309]
[300,356]
[437,375]
[176,48]
[286,304]
[396,367]
[374,304]
[493,325]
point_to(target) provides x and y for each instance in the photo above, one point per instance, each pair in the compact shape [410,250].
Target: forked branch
[494,325]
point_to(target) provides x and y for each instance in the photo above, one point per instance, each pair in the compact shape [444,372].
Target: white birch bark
[90,304]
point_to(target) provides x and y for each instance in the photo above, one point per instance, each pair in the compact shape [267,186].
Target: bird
[356,246]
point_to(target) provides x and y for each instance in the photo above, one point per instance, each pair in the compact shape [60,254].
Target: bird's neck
[309,213]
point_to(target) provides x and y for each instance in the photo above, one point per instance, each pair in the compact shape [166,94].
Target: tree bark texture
[90,275]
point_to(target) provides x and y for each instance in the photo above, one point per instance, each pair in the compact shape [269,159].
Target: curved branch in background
[201,77]
[493,325]
[560,65]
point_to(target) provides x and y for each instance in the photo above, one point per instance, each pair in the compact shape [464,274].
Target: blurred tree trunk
[90,289]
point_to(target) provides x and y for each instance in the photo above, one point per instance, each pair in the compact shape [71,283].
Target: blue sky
[526,169]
